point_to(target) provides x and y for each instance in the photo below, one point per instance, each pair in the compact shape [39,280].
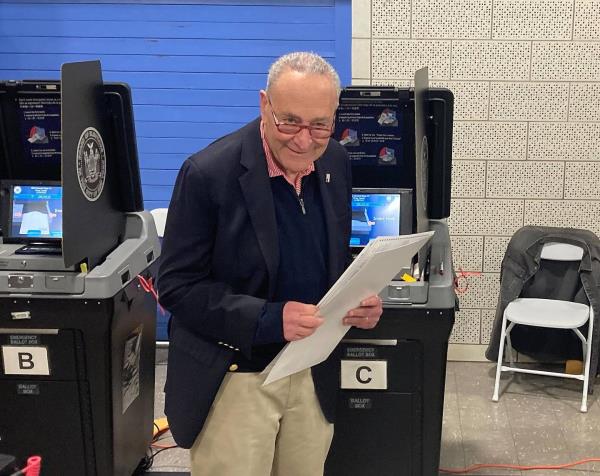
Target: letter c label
[359,374]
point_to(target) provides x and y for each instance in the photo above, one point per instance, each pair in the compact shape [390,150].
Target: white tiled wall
[361,48]
[529,101]
[584,104]
[466,328]
[526,149]
[389,18]
[524,179]
[499,60]
[467,252]
[485,216]
[494,247]
[578,60]
[460,19]
[570,141]
[481,291]
[489,140]
[471,98]
[582,181]
[573,213]
[586,25]
[468,178]
[401,58]
[487,321]
[532,19]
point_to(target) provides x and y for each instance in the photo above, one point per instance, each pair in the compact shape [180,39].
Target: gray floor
[536,422]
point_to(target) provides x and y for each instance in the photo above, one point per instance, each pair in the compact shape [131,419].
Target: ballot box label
[358,403]
[28,389]
[364,374]
[24,339]
[360,352]
[25,360]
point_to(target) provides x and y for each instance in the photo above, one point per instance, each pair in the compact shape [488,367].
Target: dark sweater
[302,264]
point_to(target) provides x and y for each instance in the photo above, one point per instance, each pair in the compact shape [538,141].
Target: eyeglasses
[316,132]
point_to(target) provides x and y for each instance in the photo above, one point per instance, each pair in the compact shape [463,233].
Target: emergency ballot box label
[25,360]
[364,374]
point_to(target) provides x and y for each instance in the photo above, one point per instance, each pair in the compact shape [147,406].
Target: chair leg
[583,343]
[500,357]
[509,347]
[586,371]
[511,355]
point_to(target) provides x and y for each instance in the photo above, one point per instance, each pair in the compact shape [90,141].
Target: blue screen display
[36,211]
[373,215]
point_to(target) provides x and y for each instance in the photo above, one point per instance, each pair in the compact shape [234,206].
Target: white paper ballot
[369,273]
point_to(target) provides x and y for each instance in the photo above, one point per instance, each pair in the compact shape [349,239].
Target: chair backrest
[561,252]
[160,219]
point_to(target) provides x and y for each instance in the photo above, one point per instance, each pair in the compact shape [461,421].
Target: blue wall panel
[195,66]
[179,30]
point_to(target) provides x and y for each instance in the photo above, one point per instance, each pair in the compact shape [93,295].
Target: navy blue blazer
[219,267]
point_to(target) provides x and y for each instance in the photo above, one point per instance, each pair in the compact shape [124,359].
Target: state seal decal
[91,163]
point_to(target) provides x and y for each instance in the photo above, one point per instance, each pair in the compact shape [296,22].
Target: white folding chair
[549,313]
[160,219]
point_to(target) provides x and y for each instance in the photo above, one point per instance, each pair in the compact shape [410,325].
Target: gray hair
[303,62]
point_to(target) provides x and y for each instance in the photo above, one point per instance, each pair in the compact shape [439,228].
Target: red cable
[463,275]
[516,467]
[34,465]
[148,286]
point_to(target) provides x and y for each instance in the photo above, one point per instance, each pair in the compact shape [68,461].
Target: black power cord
[8,465]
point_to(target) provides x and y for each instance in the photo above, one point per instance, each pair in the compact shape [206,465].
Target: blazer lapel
[256,188]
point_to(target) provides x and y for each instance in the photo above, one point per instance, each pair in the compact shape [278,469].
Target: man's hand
[300,320]
[367,315]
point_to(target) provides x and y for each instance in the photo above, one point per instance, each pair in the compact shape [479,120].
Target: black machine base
[91,414]
[396,431]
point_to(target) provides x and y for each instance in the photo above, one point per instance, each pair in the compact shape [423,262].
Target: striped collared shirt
[276,171]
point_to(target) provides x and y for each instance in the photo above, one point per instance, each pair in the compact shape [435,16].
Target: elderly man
[257,231]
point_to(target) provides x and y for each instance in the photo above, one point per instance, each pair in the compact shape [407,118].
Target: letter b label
[25,360]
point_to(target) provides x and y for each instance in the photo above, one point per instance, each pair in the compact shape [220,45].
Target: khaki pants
[251,430]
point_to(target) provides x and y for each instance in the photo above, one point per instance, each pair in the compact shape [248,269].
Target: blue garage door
[195,67]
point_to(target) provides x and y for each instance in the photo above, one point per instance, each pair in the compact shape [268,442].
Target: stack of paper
[368,274]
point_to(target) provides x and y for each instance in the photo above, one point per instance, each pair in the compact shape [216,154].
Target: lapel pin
[327,178]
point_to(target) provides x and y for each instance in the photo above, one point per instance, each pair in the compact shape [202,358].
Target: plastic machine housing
[396,430]
[78,348]
[390,403]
